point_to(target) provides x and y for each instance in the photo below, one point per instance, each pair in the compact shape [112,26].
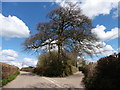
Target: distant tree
[67,28]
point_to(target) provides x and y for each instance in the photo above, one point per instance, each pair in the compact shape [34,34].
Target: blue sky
[31,13]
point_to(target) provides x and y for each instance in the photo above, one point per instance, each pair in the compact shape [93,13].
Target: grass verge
[10,78]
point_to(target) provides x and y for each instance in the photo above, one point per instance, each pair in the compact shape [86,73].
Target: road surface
[29,80]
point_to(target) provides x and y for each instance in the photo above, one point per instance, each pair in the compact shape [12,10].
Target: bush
[106,75]
[74,69]
[89,69]
[50,65]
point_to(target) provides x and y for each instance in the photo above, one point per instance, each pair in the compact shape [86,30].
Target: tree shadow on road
[27,74]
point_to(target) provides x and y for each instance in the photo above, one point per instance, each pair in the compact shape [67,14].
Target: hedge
[106,74]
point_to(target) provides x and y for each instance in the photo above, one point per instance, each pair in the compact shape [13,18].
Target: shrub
[50,65]
[82,65]
[74,69]
[89,69]
[106,75]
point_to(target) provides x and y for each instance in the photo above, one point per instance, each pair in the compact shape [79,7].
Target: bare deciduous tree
[68,28]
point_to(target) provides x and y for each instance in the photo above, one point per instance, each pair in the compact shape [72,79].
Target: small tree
[49,65]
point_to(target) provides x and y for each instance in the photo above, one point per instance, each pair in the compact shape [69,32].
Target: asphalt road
[29,80]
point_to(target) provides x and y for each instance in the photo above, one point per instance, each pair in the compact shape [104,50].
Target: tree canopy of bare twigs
[67,28]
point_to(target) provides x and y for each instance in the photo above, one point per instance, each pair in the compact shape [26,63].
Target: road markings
[52,81]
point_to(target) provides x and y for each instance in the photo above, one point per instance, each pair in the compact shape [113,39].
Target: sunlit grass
[10,78]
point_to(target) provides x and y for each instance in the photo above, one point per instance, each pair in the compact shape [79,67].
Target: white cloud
[106,50]
[99,48]
[9,52]
[93,8]
[102,35]
[8,55]
[53,47]
[29,62]
[15,63]
[11,27]
[8,58]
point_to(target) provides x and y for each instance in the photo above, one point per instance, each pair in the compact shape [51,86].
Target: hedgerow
[106,74]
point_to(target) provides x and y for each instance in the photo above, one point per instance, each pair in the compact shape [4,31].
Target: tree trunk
[59,52]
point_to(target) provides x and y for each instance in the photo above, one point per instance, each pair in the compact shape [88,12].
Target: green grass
[10,78]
